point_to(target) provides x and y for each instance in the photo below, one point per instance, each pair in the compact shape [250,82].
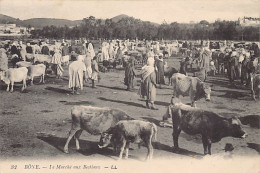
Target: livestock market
[151,94]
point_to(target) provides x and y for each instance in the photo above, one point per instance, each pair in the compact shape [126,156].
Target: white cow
[36,70]
[13,75]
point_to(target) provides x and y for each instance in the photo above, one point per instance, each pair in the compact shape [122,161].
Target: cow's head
[204,91]
[207,91]
[236,129]
[105,140]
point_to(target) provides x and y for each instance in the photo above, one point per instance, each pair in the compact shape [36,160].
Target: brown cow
[190,86]
[94,120]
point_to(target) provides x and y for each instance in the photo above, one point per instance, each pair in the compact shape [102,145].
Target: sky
[182,11]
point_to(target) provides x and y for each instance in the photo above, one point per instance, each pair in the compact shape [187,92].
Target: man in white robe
[77,70]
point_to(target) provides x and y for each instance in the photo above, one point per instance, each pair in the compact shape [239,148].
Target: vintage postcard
[129,86]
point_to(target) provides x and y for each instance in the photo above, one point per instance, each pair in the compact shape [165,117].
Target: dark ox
[190,86]
[94,120]
[124,132]
[210,125]
[255,85]
[168,72]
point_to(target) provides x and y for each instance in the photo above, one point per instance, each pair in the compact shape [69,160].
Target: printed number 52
[13,166]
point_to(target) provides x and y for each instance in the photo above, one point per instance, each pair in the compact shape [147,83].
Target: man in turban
[148,83]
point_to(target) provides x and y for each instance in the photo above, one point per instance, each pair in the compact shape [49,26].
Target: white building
[249,21]
[12,28]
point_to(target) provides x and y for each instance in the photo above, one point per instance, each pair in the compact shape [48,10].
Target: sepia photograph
[130,86]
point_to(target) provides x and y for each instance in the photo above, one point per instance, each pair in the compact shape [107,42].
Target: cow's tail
[154,132]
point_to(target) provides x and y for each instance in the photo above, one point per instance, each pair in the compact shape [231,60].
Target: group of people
[84,68]
[152,76]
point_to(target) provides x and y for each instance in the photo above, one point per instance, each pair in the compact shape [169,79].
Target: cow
[169,71]
[66,60]
[14,75]
[211,126]
[23,64]
[125,132]
[36,70]
[30,57]
[94,120]
[42,58]
[255,85]
[190,86]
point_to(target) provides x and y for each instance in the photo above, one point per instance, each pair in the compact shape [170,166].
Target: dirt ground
[35,123]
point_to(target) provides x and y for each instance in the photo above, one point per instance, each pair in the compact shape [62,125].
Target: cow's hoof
[66,151]
[175,149]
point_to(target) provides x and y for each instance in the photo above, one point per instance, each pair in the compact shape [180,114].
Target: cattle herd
[238,61]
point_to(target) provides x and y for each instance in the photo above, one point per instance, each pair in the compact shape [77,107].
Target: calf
[255,85]
[210,125]
[36,70]
[14,75]
[190,86]
[125,132]
[94,120]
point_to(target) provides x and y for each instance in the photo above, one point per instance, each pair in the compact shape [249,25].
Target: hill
[7,19]
[119,17]
[41,22]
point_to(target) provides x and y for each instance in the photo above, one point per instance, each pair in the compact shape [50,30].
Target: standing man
[232,65]
[88,65]
[56,61]
[204,62]
[160,70]
[148,83]
[95,71]
[76,72]
[130,74]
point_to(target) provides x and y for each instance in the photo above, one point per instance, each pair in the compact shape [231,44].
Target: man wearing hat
[244,74]
[45,50]
[160,70]
[14,49]
[29,48]
[233,61]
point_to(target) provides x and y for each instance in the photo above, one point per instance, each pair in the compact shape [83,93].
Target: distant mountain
[7,19]
[41,22]
[119,17]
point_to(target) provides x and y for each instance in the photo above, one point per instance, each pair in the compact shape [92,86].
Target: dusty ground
[35,123]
